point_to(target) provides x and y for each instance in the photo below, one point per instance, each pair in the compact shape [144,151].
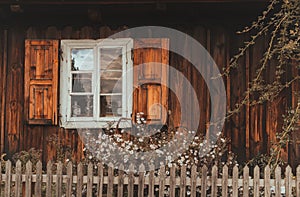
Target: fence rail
[96,180]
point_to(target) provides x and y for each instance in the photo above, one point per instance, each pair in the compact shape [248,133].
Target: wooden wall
[251,131]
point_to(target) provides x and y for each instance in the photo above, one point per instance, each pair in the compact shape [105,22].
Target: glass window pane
[82,82]
[82,106]
[111,106]
[111,59]
[82,59]
[110,86]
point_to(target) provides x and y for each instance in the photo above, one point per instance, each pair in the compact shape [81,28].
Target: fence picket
[225,180]
[214,177]
[38,182]
[162,177]
[298,181]
[267,181]
[49,180]
[18,178]
[256,182]
[235,187]
[277,181]
[110,185]
[246,181]
[151,181]
[0,178]
[141,181]
[7,178]
[204,181]
[79,179]
[89,184]
[172,180]
[69,179]
[193,181]
[28,179]
[121,181]
[100,179]
[130,180]
[183,181]
[288,181]
[59,179]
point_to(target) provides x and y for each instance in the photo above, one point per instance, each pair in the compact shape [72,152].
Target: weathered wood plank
[277,181]
[79,180]
[193,181]
[256,182]
[89,184]
[38,183]
[69,180]
[162,176]
[121,181]
[58,179]
[298,181]
[18,179]
[110,185]
[100,179]
[235,187]
[288,181]
[131,181]
[246,181]
[183,181]
[151,181]
[172,180]
[7,178]
[214,177]
[49,179]
[204,181]
[267,176]
[141,181]
[225,181]
[28,179]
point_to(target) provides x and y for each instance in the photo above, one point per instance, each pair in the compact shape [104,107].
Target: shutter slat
[151,57]
[41,80]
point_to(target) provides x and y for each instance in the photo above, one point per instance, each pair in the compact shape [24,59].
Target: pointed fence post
[183,181]
[59,179]
[49,180]
[225,180]
[89,184]
[38,183]
[246,181]
[288,181]
[110,184]
[162,177]
[204,181]
[214,177]
[18,179]
[193,181]
[256,182]
[235,180]
[100,179]
[28,179]
[121,181]
[172,180]
[141,181]
[7,178]
[267,188]
[151,180]
[79,180]
[298,181]
[130,180]
[277,181]
[69,179]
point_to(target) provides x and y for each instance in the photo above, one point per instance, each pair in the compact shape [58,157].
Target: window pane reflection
[110,106]
[82,59]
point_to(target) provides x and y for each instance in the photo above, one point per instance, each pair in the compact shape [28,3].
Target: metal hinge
[132,55]
[60,54]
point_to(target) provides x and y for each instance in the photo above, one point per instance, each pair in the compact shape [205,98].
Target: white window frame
[96,121]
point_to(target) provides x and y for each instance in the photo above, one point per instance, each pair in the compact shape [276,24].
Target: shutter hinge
[132,55]
[60,54]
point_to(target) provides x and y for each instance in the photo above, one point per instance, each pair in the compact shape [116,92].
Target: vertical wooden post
[49,180]
[204,181]
[235,177]
[90,180]
[38,183]
[225,181]
[69,180]
[7,178]
[121,181]
[183,181]
[162,177]
[18,179]
[267,181]
[28,179]
[246,181]
[79,180]
[100,180]
[141,181]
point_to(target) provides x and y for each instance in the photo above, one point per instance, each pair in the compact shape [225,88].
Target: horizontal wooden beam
[111,2]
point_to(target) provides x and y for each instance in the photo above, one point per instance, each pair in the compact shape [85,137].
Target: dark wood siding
[251,131]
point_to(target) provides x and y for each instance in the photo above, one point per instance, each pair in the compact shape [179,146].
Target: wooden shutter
[150,95]
[41,81]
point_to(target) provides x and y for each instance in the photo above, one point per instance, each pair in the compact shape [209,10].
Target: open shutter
[41,80]
[151,57]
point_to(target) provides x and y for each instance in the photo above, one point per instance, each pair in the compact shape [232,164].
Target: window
[95,82]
